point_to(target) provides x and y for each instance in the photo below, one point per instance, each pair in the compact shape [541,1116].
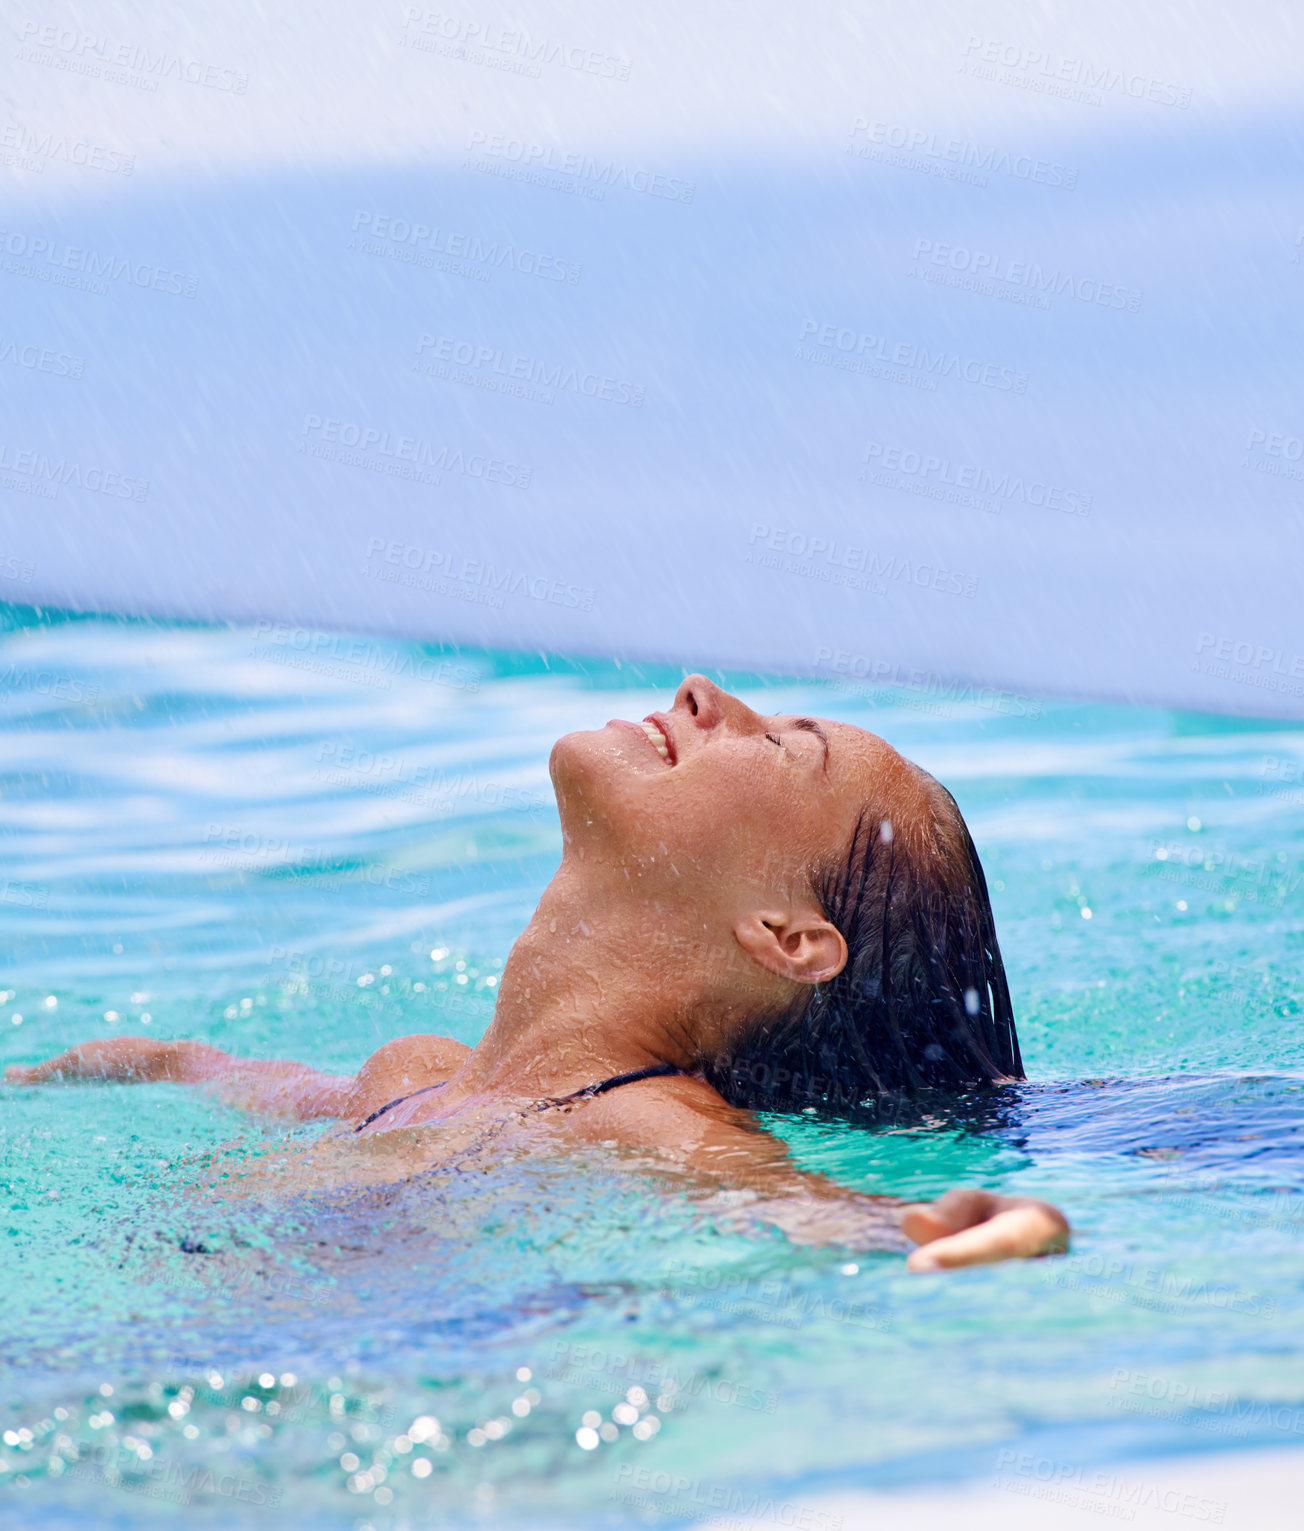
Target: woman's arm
[690,1130]
[274,1087]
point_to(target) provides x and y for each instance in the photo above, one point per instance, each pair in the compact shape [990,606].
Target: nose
[709,706]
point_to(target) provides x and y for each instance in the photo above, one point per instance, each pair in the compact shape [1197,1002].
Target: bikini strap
[652,1071]
[389,1105]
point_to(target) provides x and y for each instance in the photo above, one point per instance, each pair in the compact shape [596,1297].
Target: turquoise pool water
[298,845]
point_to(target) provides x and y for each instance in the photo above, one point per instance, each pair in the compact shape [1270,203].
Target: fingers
[949,1213]
[922,1223]
[65,1065]
[26,1073]
[1030,1228]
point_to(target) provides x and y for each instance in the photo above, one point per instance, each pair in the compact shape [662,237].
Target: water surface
[300,845]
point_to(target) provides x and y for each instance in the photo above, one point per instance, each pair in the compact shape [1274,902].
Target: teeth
[658,740]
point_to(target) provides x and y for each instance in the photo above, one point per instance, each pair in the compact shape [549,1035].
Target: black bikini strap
[389,1105]
[652,1071]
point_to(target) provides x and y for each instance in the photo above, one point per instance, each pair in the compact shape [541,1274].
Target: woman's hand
[976,1227]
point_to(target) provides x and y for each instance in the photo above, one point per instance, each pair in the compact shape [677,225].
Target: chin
[595,774]
[570,753]
[586,757]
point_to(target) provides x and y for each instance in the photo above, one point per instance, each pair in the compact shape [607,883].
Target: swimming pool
[298,844]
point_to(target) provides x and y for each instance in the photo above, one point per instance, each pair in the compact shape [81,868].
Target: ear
[804,947]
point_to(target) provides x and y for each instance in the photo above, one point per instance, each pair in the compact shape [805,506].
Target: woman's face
[713,804]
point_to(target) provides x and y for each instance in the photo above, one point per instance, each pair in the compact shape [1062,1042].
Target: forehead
[866,770]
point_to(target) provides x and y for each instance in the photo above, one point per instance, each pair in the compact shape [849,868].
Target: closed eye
[811,726]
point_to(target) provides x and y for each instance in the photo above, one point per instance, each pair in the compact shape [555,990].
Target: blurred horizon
[962,342]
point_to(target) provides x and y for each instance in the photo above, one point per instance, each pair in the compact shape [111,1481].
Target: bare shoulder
[403,1065]
[683,1126]
[680,1117]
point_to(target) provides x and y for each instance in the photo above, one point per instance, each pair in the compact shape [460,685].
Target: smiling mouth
[659,742]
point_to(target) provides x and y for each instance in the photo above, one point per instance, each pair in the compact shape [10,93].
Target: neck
[580,999]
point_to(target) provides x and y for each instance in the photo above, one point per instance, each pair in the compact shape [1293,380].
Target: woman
[750,911]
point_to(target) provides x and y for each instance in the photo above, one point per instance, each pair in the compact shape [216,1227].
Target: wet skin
[681,911]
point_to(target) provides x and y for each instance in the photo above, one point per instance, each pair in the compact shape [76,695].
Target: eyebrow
[811,726]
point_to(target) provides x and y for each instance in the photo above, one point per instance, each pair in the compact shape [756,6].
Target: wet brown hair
[922,1003]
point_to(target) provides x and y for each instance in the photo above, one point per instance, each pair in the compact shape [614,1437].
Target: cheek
[683,832]
[736,822]
[786,827]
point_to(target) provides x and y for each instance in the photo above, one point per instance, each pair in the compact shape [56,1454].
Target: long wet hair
[922,1004]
